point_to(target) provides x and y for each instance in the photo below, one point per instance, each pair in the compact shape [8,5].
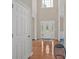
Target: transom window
[47,3]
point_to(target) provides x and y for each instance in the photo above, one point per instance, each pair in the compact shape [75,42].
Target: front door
[47,29]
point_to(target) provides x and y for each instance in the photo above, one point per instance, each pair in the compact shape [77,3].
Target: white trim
[65,23]
[59,20]
[34,6]
[36,22]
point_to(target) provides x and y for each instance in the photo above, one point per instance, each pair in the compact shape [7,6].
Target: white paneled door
[21,31]
[47,29]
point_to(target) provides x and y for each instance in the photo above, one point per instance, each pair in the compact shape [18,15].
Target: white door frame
[34,15]
[59,20]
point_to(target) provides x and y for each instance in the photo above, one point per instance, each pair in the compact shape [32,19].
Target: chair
[59,51]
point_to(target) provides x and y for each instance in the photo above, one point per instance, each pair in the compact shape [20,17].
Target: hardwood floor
[43,49]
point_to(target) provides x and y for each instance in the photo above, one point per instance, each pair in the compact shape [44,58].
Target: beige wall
[61,24]
[47,14]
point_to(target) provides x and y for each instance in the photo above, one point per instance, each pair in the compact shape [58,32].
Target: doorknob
[29,36]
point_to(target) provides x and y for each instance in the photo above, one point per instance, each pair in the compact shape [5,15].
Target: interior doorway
[47,29]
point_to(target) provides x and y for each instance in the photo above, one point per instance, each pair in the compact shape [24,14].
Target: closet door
[21,32]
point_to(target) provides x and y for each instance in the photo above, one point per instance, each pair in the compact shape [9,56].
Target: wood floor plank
[43,49]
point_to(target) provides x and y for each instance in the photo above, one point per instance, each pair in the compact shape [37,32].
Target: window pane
[51,3]
[47,3]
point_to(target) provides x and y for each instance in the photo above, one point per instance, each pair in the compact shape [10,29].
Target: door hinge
[12,35]
[12,5]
